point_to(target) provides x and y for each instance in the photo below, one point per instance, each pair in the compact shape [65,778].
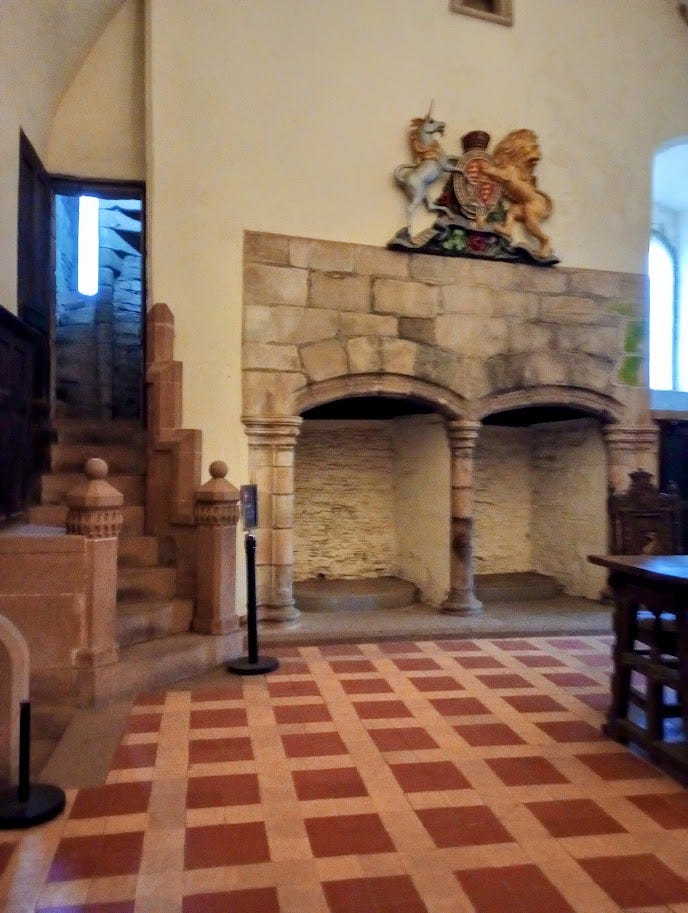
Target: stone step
[135,583]
[99,431]
[121,458]
[152,665]
[324,595]
[138,551]
[149,619]
[516,587]
[56,486]
[56,515]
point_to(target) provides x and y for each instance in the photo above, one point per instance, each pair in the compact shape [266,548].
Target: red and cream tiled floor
[407,777]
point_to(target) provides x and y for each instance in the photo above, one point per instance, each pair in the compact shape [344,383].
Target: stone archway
[325,320]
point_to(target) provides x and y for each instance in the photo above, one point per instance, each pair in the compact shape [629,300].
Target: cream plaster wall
[99,127]
[290,117]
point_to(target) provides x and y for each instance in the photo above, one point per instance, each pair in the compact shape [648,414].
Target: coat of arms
[484,196]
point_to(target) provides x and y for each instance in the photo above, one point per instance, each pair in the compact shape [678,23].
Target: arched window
[661,268]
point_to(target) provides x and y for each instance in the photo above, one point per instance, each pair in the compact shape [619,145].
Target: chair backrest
[644,521]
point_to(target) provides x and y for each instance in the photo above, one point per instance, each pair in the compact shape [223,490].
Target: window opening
[88,245]
[661,269]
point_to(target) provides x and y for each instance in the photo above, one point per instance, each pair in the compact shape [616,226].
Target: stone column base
[461,602]
[284,614]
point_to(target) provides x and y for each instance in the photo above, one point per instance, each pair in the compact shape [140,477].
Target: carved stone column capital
[462,434]
[631,437]
[94,506]
[277,431]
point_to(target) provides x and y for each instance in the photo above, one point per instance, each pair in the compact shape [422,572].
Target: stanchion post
[253,664]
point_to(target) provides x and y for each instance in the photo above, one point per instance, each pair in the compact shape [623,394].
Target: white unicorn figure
[430,162]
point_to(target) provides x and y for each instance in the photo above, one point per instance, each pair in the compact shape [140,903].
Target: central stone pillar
[272,442]
[462,439]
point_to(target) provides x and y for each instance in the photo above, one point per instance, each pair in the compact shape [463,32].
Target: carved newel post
[216,513]
[95,512]
[462,439]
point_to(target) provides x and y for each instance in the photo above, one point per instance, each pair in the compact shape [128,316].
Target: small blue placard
[249,506]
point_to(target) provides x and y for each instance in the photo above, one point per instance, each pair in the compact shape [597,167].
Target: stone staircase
[153,623]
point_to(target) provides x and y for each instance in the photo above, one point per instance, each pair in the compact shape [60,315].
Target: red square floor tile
[640,880]
[515,645]
[216,792]
[293,689]
[533,703]
[597,660]
[598,701]
[399,646]
[619,765]
[504,680]
[292,666]
[478,662]
[669,810]
[5,853]
[97,856]
[131,756]
[436,683]
[366,686]
[218,718]
[286,652]
[417,664]
[568,643]
[302,713]
[340,649]
[226,844]
[512,889]
[540,661]
[459,706]
[570,679]
[459,646]
[574,818]
[571,731]
[389,894]
[335,783]
[213,751]
[406,738]
[381,710]
[248,900]
[153,699]
[345,835]
[111,799]
[473,825]
[313,744]
[351,665]
[217,693]
[121,906]
[481,735]
[143,722]
[429,776]
[529,771]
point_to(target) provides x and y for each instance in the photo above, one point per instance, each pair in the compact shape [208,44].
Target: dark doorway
[98,318]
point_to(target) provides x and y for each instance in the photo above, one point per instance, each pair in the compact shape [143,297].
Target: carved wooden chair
[645,521]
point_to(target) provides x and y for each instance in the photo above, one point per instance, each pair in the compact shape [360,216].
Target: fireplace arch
[325,321]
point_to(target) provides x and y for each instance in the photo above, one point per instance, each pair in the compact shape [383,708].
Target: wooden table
[658,583]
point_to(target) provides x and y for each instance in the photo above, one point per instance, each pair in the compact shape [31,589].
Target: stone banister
[216,512]
[173,453]
[95,513]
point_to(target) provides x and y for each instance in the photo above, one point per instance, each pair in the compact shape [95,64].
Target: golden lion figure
[515,159]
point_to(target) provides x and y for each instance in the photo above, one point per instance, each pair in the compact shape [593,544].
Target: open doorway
[99,299]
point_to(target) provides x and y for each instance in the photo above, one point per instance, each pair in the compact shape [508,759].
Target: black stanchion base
[44,804]
[243,665]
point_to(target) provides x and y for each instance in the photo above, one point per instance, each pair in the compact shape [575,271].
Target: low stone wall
[14,688]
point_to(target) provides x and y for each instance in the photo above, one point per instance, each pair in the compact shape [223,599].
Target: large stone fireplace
[432,417]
